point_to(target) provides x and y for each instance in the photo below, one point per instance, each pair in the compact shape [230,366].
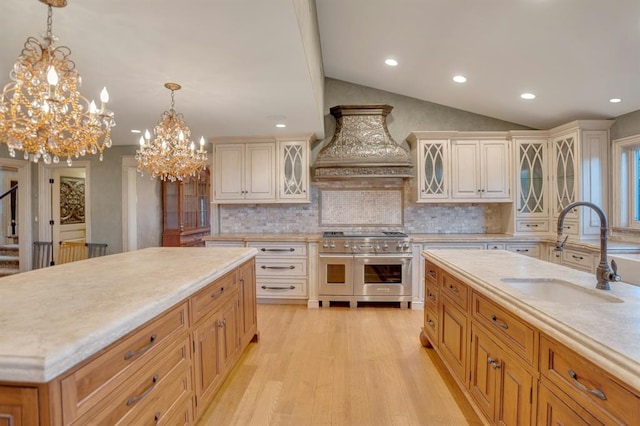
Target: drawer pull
[500,323]
[577,257]
[595,391]
[431,297]
[431,324]
[453,288]
[493,363]
[218,294]
[522,250]
[278,249]
[131,354]
[532,225]
[432,274]
[278,267]
[132,400]
[264,287]
[222,324]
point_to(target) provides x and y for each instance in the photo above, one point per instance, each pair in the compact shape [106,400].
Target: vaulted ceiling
[246,65]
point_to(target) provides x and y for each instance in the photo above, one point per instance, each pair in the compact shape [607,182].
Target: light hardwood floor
[339,366]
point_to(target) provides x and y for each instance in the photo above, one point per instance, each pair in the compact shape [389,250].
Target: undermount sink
[559,291]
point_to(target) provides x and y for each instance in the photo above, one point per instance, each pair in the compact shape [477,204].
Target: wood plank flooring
[339,366]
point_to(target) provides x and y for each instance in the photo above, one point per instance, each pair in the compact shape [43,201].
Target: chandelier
[170,156]
[42,112]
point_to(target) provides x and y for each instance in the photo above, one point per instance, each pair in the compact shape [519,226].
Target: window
[626,171]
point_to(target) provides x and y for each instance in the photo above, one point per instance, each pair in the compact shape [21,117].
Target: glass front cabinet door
[532,178]
[432,173]
[565,182]
[293,176]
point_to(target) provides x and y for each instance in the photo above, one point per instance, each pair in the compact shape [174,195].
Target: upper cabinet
[261,170]
[461,166]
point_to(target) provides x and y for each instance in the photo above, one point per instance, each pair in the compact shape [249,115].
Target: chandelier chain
[49,22]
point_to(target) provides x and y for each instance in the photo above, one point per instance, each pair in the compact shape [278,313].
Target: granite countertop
[54,318]
[606,333]
[311,237]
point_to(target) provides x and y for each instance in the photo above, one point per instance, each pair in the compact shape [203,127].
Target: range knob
[406,246]
[355,248]
[333,244]
[325,244]
[398,245]
[385,245]
[377,247]
[346,244]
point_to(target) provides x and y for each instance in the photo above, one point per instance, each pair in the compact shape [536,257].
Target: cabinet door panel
[260,171]
[294,171]
[554,411]
[229,182]
[18,406]
[483,375]
[515,395]
[494,169]
[208,366]
[465,170]
[433,172]
[453,340]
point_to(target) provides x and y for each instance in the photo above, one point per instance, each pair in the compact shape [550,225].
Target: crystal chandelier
[42,112]
[170,156]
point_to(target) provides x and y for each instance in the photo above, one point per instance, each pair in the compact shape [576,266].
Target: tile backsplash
[307,218]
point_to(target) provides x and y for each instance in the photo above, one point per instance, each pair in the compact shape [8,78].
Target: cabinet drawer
[587,384]
[570,227]
[578,260]
[456,290]
[532,225]
[279,249]
[431,272]
[151,390]
[516,334]
[207,299]
[431,295]
[532,250]
[224,243]
[294,267]
[495,246]
[97,378]
[553,410]
[431,325]
[281,288]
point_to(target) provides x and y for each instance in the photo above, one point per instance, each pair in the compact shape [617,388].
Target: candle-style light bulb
[93,108]
[147,135]
[201,142]
[142,141]
[180,135]
[104,95]
[52,76]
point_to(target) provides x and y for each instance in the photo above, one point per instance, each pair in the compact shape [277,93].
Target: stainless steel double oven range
[373,267]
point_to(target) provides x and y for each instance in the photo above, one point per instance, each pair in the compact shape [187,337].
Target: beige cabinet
[432,172]
[293,170]
[245,172]
[531,185]
[579,172]
[281,269]
[262,170]
[480,170]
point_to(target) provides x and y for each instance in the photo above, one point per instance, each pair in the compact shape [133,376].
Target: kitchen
[426,223]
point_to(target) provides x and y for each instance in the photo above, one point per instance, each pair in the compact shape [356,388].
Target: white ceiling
[244,64]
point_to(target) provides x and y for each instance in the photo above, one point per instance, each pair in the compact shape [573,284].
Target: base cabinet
[18,406]
[511,372]
[165,372]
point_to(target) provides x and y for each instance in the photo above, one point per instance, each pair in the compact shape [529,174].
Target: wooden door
[554,411]
[484,357]
[248,301]
[18,406]
[229,343]
[208,368]
[453,338]
[515,396]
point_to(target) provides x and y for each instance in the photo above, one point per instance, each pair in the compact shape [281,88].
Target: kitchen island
[524,355]
[80,339]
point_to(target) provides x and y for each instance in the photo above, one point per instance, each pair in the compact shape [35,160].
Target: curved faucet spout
[604,274]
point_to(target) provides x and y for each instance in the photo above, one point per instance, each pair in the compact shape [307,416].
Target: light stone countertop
[53,318]
[312,237]
[607,334]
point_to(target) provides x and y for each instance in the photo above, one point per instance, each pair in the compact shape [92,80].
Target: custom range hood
[362,147]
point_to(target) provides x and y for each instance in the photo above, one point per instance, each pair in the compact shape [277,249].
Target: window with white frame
[626,175]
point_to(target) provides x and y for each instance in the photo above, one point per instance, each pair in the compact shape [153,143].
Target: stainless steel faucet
[604,273]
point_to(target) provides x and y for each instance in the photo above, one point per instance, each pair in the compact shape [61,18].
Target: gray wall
[626,125]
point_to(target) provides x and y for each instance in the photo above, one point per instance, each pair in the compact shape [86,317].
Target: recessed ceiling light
[528,96]
[391,62]
[460,79]
[615,100]
[136,131]
[281,125]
